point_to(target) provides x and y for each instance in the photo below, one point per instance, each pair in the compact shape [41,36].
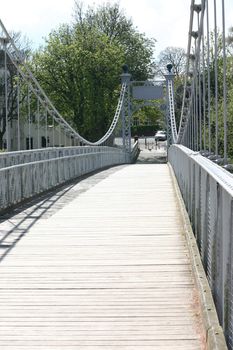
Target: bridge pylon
[126,110]
[171,124]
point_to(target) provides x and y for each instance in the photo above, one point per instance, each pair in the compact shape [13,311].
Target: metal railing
[20,157]
[207,190]
[22,181]
[135,152]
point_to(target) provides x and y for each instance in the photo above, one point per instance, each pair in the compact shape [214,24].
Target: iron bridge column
[126,111]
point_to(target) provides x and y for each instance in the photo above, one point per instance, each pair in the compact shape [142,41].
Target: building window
[27,143]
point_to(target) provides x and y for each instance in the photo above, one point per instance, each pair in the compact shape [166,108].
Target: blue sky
[165,20]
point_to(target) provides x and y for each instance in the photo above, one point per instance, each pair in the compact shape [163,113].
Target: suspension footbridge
[99,251]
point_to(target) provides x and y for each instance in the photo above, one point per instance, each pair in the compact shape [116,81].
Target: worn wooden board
[107,268]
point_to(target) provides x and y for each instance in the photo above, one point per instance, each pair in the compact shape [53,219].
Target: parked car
[160,136]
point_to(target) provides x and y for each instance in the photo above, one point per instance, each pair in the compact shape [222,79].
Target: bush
[144,130]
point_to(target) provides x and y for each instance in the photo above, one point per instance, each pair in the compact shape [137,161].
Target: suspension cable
[187,67]
[199,88]
[46,128]
[224,82]
[29,117]
[18,110]
[197,8]
[6,96]
[38,123]
[208,74]
[204,90]
[196,100]
[15,56]
[53,132]
[216,76]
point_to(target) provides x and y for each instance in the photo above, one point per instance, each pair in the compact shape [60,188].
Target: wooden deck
[101,266]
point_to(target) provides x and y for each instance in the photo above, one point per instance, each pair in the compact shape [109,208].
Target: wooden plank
[107,268]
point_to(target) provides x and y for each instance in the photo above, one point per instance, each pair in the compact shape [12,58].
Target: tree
[81,76]
[79,66]
[175,56]
[110,20]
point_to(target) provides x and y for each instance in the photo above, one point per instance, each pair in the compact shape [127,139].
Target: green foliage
[110,20]
[144,130]
[81,76]
[178,97]
[149,115]
[147,120]
[221,124]
[220,103]
[80,65]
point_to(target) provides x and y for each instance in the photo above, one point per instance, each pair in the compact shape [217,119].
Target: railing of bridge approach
[201,153]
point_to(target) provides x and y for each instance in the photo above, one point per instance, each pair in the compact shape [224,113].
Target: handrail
[207,190]
[23,181]
[135,152]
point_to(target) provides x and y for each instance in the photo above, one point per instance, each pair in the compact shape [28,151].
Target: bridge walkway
[102,264]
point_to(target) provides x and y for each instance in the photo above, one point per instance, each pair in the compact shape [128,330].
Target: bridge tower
[138,94]
[170,115]
[126,110]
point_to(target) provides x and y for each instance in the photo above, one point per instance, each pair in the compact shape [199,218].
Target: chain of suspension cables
[204,104]
[47,115]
